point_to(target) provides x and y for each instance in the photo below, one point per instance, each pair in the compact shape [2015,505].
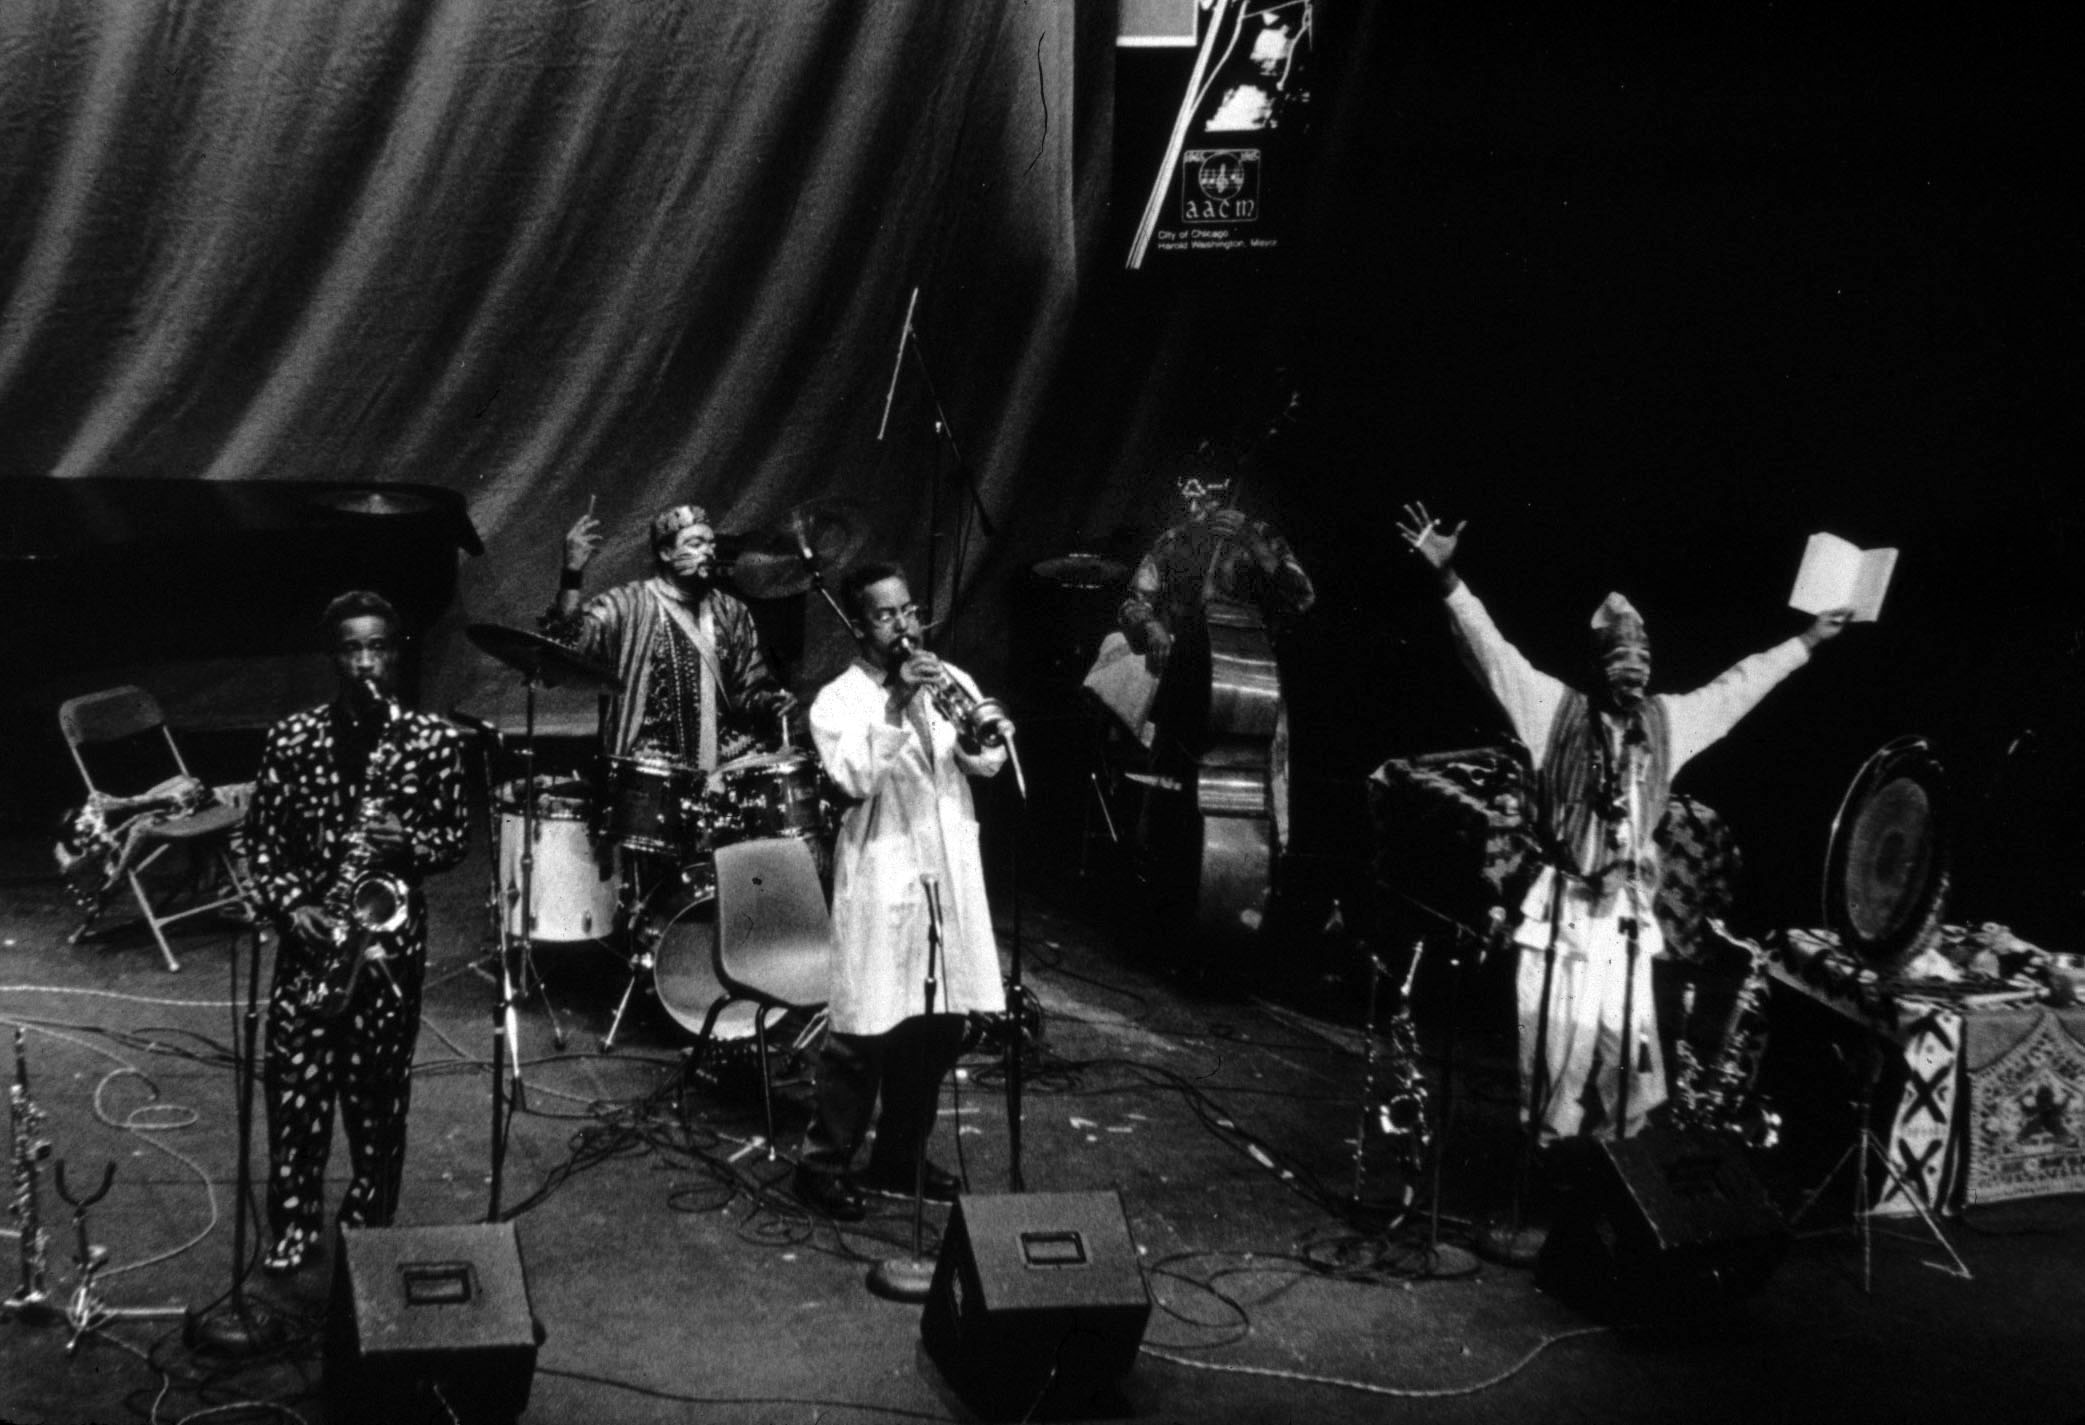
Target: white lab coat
[915,816]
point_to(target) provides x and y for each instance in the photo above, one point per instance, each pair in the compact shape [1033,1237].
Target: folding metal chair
[774,940]
[132,715]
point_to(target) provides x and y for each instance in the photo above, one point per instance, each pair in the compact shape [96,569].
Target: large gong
[1886,874]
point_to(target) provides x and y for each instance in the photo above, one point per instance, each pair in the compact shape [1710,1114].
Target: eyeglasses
[884,618]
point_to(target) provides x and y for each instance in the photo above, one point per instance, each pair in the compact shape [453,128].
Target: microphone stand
[911,1278]
[239,1326]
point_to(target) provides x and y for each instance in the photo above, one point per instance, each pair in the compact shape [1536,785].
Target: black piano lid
[43,518]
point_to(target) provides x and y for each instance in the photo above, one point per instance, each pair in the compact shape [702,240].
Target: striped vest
[1572,802]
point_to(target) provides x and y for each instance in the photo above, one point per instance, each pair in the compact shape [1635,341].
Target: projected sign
[1230,179]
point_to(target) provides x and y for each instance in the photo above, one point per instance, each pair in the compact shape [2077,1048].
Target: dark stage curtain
[539,252]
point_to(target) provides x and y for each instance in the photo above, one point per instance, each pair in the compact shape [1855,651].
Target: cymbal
[1082,571]
[541,660]
[375,502]
[773,562]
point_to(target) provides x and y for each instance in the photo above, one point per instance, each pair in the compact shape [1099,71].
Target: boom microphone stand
[909,340]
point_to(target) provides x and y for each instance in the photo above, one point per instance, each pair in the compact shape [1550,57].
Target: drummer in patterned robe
[317,771]
[695,683]
[912,820]
[1604,761]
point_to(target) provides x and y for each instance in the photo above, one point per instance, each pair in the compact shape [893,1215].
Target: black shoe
[829,1195]
[941,1185]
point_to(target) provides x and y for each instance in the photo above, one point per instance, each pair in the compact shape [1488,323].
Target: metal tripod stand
[1864,1145]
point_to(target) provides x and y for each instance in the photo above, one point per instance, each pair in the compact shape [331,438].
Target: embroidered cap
[1617,623]
[668,523]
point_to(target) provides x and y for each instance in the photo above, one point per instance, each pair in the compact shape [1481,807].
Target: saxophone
[1719,1095]
[363,902]
[1394,1100]
[26,1120]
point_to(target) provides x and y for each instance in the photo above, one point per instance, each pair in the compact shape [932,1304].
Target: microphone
[904,335]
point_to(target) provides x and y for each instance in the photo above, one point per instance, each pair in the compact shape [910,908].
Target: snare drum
[573,881]
[648,803]
[771,794]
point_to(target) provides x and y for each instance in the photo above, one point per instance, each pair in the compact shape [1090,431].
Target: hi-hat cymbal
[543,661]
[811,539]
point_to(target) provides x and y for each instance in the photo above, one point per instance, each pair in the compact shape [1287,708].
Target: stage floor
[676,1280]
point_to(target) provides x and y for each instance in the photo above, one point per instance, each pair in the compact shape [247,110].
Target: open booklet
[1837,575]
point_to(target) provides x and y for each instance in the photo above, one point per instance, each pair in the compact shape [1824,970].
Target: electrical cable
[1371,1387]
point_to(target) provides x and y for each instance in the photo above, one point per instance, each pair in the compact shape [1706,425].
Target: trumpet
[981,720]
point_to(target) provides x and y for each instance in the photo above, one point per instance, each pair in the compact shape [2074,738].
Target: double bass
[1222,752]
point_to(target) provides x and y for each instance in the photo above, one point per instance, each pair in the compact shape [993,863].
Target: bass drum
[684,973]
[573,883]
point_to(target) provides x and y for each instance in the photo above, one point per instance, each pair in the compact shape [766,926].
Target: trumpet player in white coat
[355,789]
[911,834]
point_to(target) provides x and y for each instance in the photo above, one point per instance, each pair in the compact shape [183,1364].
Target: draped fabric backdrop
[541,252]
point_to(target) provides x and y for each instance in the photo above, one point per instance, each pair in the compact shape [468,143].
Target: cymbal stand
[1865,1144]
[506,1048]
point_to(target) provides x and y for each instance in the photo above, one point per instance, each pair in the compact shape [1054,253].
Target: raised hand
[582,539]
[1829,624]
[1428,539]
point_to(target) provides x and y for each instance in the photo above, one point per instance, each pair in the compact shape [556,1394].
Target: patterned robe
[662,674]
[306,800]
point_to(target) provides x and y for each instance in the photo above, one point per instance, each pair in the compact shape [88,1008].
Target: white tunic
[1590,974]
[915,816]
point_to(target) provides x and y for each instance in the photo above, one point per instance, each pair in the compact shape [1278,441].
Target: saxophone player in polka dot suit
[355,772]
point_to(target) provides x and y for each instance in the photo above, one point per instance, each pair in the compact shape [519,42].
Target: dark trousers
[907,1063]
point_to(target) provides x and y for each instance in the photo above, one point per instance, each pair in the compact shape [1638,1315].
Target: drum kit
[624,857]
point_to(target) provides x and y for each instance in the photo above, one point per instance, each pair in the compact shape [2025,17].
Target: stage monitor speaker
[1665,1222]
[1038,1302]
[429,1323]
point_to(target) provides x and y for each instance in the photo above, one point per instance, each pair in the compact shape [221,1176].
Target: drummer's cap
[668,523]
[1616,623]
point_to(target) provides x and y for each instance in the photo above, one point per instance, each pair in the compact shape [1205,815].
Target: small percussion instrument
[768,794]
[651,802]
[574,882]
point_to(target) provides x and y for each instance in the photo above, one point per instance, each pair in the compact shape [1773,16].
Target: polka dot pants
[362,1059]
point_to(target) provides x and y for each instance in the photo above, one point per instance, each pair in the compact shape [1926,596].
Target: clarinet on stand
[31,1298]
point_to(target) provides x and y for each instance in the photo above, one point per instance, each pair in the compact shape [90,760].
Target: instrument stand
[1445,1260]
[946,437]
[640,939]
[84,1310]
[911,1278]
[1516,1242]
[506,1049]
[1864,1144]
[239,1326]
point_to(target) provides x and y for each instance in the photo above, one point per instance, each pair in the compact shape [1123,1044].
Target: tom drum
[771,794]
[649,803]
